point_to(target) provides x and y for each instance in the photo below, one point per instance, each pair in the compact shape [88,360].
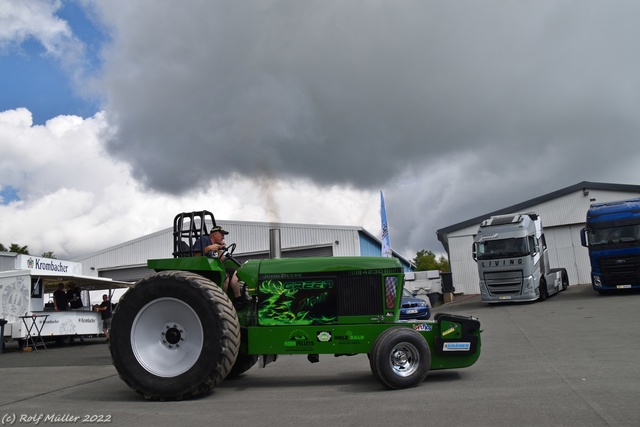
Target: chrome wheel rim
[404,359]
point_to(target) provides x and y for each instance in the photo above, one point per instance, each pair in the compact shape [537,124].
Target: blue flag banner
[386,245]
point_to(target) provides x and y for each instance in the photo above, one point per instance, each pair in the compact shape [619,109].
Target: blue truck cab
[612,235]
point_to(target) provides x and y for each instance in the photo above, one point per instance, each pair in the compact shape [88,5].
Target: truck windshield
[503,248]
[607,236]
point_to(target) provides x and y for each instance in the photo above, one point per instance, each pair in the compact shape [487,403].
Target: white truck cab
[513,261]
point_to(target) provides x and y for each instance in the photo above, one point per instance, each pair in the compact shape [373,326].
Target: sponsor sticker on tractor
[456,346]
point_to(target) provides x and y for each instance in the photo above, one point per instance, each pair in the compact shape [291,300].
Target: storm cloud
[359,92]
[453,109]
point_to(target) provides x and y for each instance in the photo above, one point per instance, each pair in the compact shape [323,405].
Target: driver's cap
[220,229]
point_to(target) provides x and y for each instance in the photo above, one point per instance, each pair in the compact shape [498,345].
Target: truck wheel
[400,358]
[543,291]
[565,282]
[174,335]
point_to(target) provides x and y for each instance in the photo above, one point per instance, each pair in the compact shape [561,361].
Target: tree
[19,249]
[24,250]
[426,260]
[443,261]
[15,248]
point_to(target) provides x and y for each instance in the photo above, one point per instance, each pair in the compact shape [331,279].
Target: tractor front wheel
[174,335]
[400,358]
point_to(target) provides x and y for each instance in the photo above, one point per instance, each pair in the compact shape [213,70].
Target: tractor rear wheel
[244,362]
[400,358]
[174,335]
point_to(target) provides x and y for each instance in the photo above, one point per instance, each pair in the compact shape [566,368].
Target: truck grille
[620,270]
[504,283]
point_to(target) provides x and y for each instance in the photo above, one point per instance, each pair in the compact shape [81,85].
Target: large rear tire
[174,335]
[400,358]
[244,362]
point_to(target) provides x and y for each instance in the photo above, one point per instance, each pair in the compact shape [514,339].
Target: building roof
[584,185]
[361,232]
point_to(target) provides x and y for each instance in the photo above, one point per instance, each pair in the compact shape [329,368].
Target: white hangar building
[128,261]
[563,215]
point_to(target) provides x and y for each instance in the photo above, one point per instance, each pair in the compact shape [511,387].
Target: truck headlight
[596,281]
[529,285]
[483,289]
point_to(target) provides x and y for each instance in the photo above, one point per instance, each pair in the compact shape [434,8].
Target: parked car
[413,308]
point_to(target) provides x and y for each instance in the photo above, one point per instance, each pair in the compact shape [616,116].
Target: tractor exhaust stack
[275,248]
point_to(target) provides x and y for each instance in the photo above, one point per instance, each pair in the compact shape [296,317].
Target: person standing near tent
[74,296]
[105,310]
[60,301]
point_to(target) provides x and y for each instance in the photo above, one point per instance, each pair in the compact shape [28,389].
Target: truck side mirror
[473,252]
[583,237]
[534,246]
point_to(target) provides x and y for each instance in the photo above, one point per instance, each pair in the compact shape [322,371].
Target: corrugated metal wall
[249,237]
[7,261]
[254,237]
[562,219]
[369,248]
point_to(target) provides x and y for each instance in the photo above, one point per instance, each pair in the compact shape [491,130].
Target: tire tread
[227,321]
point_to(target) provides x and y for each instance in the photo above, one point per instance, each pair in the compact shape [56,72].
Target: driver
[214,246]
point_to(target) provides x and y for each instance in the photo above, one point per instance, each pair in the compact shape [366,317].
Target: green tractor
[176,334]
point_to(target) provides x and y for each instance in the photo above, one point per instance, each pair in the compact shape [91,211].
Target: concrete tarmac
[569,361]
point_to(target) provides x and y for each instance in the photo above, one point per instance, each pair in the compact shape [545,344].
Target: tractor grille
[504,283]
[620,270]
[360,296]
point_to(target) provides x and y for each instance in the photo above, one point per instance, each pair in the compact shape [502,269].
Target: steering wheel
[228,251]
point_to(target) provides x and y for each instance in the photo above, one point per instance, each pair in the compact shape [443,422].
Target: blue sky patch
[37,81]
[8,194]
